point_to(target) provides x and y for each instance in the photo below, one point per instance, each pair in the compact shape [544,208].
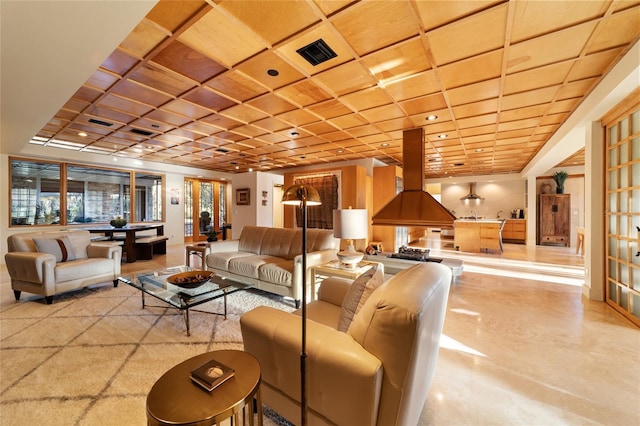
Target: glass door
[205,210]
[623,213]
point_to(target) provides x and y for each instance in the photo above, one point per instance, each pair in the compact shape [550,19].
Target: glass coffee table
[154,283]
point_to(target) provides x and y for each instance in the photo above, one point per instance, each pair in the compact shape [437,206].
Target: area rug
[92,356]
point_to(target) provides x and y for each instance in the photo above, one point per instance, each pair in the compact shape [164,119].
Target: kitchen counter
[476,235]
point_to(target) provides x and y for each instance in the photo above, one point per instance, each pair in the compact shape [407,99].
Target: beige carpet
[92,356]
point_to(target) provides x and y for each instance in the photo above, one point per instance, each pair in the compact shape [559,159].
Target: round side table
[175,400]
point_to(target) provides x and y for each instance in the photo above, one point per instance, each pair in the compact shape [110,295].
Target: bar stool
[580,240]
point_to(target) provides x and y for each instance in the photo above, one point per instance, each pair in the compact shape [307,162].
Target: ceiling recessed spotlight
[83,134]
[273,73]
[302,157]
[458,164]
[237,167]
[250,169]
[340,151]
[479,150]
[155,126]
[442,136]
[294,133]
[115,158]
[432,117]
[384,144]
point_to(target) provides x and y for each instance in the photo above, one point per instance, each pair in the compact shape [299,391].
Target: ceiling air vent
[100,122]
[317,52]
[141,132]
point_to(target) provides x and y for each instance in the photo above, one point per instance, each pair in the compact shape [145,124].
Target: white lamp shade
[350,224]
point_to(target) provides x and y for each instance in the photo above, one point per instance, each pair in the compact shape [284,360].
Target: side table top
[176,399]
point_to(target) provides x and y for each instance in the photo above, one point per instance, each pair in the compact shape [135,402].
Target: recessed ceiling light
[432,117]
[155,126]
[237,167]
[294,133]
[250,169]
[479,150]
[303,157]
[83,134]
[115,158]
[384,144]
[340,151]
[442,136]
[273,73]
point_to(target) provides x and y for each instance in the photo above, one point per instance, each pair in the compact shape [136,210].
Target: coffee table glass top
[155,284]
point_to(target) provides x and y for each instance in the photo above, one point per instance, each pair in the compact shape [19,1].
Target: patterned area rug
[92,356]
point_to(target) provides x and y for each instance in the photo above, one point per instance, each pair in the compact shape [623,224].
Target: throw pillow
[357,294]
[61,248]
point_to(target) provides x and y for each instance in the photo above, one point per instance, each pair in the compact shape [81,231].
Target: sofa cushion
[220,260]
[249,266]
[358,294]
[277,242]
[317,239]
[60,247]
[251,238]
[279,272]
[81,268]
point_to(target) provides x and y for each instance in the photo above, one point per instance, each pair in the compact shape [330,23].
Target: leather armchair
[40,273]
[376,373]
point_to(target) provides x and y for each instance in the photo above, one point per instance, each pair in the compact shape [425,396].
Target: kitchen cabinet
[515,231]
[554,219]
[477,235]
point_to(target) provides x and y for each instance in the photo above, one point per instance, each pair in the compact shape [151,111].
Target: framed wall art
[242,197]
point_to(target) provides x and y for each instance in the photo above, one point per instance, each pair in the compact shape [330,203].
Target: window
[47,193]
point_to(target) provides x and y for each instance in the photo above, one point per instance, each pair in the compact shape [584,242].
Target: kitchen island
[477,235]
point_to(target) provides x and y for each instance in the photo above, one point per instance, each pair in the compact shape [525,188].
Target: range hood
[472,193]
[414,206]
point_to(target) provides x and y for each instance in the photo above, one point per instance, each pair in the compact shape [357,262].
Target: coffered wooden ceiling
[191,85]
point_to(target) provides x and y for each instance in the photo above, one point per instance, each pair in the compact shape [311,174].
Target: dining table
[130,231]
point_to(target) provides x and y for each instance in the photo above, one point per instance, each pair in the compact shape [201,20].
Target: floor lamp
[303,196]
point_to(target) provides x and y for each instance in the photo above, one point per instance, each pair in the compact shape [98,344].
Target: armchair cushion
[357,294]
[61,248]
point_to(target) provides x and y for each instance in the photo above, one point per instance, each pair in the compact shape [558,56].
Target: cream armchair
[378,372]
[48,263]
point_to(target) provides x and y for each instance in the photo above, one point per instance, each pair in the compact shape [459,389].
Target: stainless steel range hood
[472,193]
[413,206]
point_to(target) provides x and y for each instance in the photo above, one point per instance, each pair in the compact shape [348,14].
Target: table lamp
[303,196]
[350,224]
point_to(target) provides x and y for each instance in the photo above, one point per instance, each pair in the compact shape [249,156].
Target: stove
[415,254]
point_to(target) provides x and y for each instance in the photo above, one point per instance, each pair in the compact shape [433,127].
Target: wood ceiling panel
[184,60]
[554,47]
[369,26]
[266,21]
[345,78]
[473,70]
[619,29]
[161,79]
[205,35]
[257,69]
[473,35]
[272,104]
[536,78]
[196,72]
[303,93]
[144,37]
[421,84]
[324,32]
[365,99]
[132,90]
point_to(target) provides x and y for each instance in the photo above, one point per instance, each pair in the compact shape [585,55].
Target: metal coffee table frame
[154,283]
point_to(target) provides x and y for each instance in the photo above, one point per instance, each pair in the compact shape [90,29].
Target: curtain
[320,216]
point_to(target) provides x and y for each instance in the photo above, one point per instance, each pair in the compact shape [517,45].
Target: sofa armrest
[223,246]
[314,258]
[106,250]
[335,362]
[31,267]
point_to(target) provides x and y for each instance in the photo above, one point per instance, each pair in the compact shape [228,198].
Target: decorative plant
[212,235]
[560,176]
[118,222]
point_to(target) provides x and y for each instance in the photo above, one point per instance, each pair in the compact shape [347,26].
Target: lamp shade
[350,224]
[297,193]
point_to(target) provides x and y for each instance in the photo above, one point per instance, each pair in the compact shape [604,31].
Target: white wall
[503,195]
[254,213]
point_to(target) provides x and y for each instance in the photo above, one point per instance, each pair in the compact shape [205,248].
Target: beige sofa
[378,372]
[270,258]
[48,263]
